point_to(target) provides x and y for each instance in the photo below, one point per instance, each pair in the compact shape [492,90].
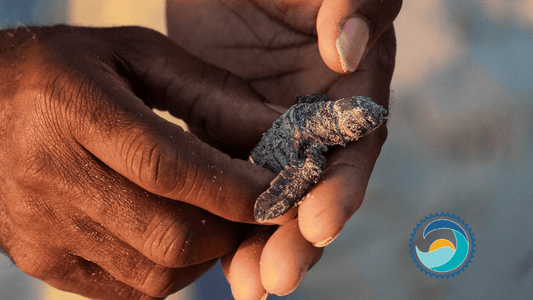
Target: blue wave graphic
[443,224]
[435,258]
[445,259]
[461,253]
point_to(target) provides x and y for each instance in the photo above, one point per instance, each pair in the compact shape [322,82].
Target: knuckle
[36,170]
[169,243]
[158,282]
[164,173]
[34,263]
[154,163]
[35,179]
[176,252]
[31,268]
[24,212]
[34,214]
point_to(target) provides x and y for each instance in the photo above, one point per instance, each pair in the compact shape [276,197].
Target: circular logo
[442,245]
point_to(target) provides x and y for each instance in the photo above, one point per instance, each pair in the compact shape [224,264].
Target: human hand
[88,170]
[274,46]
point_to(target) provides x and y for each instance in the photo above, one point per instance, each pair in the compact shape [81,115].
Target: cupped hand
[89,172]
[281,49]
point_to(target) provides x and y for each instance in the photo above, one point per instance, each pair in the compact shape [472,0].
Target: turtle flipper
[289,187]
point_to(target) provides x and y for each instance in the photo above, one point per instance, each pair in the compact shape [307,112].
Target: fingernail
[325,242]
[351,42]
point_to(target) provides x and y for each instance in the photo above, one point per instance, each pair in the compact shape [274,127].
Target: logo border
[422,268]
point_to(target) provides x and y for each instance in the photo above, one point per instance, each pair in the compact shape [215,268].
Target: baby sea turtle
[293,146]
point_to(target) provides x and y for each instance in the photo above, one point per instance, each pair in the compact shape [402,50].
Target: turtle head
[358,116]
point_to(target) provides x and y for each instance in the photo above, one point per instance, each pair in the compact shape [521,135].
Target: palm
[274,48]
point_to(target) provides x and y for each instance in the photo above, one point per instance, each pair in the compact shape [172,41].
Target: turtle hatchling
[293,146]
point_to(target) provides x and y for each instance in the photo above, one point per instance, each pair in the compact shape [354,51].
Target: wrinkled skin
[101,197]
[89,172]
[277,46]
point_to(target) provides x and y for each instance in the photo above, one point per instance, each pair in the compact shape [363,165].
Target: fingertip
[342,37]
[343,50]
[327,33]
[347,29]
[242,267]
[331,203]
[286,259]
[325,242]
[320,220]
[328,51]
[277,284]
[278,280]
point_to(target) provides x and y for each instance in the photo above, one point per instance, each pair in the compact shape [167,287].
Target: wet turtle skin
[293,146]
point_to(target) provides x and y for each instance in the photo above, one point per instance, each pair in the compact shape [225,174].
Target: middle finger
[168,232]
[127,265]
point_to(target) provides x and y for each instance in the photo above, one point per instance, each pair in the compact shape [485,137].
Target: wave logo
[444,247]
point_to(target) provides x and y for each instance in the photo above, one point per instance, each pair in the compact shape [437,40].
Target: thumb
[348,29]
[159,156]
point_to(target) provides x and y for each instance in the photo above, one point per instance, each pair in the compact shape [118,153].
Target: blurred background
[460,142]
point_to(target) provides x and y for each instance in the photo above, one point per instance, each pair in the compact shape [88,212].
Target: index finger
[341,189]
[121,130]
[163,159]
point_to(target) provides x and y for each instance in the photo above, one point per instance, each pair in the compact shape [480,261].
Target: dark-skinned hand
[90,175]
[284,48]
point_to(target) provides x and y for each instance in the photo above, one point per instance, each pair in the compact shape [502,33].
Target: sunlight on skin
[417,57]
[242,275]
[116,13]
